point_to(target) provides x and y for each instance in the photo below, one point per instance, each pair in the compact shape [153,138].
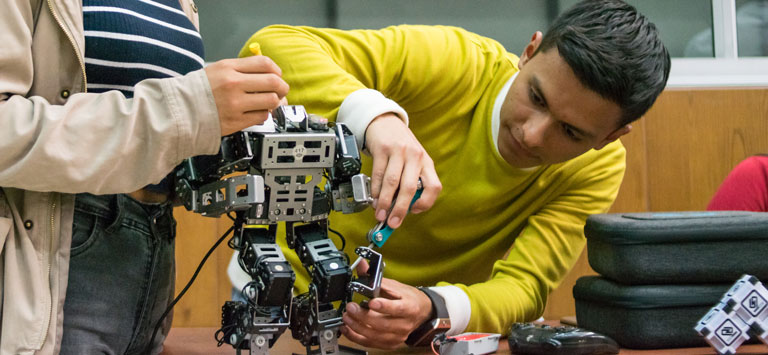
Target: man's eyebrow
[536,86]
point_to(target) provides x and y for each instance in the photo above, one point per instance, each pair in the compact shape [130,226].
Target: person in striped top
[99,101]
[129,41]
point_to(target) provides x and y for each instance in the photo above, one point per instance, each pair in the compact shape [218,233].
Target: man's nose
[535,130]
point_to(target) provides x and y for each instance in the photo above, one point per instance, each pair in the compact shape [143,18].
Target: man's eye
[570,132]
[535,98]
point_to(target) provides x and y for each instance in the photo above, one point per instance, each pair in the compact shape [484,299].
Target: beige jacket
[56,140]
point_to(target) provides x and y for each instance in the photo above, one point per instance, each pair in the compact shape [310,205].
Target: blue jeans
[121,275]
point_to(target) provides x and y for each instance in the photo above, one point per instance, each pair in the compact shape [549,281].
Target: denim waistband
[120,209]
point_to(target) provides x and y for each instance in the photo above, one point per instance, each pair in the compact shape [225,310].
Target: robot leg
[257,324]
[315,321]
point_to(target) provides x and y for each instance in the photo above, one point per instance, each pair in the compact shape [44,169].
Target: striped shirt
[127,41]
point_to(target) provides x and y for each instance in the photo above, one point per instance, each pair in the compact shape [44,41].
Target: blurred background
[686,25]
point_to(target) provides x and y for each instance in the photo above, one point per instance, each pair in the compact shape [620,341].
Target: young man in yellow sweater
[519,150]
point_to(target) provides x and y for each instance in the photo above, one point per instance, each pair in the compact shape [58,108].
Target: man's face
[549,117]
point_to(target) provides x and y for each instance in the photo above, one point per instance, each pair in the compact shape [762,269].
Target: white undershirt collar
[496,115]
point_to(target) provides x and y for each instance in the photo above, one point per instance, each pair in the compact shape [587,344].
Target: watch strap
[438,303]
[440,323]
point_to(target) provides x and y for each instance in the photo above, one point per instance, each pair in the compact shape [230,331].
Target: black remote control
[529,338]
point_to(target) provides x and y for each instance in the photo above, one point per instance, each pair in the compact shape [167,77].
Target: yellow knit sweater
[505,236]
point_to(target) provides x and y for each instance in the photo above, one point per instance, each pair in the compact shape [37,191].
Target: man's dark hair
[614,51]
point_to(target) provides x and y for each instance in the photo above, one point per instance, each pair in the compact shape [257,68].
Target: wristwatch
[440,323]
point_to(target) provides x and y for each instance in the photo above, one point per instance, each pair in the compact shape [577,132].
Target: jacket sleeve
[546,249]
[97,143]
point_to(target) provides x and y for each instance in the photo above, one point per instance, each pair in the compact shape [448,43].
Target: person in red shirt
[745,188]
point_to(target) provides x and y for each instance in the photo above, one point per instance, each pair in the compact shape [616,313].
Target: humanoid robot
[284,168]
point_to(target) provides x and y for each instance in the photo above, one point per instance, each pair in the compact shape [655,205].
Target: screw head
[328,334]
[260,341]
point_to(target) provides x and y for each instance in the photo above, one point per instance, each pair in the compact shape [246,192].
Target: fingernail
[381,215]
[352,307]
[375,203]
[394,222]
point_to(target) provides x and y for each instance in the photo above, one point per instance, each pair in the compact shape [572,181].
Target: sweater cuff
[361,107]
[458,306]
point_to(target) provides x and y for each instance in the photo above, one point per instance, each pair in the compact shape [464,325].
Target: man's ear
[614,136]
[530,49]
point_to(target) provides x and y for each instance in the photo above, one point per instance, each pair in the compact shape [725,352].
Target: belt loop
[163,214]
[119,210]
[169,206]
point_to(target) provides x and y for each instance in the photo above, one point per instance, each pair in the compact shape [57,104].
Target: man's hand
[399,161]
[398,311]
[245,90]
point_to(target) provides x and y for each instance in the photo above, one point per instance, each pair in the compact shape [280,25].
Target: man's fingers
[390,183]
[387,307]
[373,329]
[380,162]
[405,193]
[432,187]
[389,289]
[372,342]
[362,267]
[354,336]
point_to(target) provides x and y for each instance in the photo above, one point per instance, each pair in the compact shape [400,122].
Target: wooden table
[186,341]
[190,341]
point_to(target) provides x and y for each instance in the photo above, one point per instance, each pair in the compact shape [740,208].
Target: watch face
[442,323]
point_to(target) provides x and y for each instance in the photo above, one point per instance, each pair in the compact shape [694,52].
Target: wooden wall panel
[695,137]
[633,197]
[195,235]
[676,158]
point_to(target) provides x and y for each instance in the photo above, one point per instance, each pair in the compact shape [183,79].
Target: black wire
[343,244]
[343,241]
[191,280]
[231,244]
